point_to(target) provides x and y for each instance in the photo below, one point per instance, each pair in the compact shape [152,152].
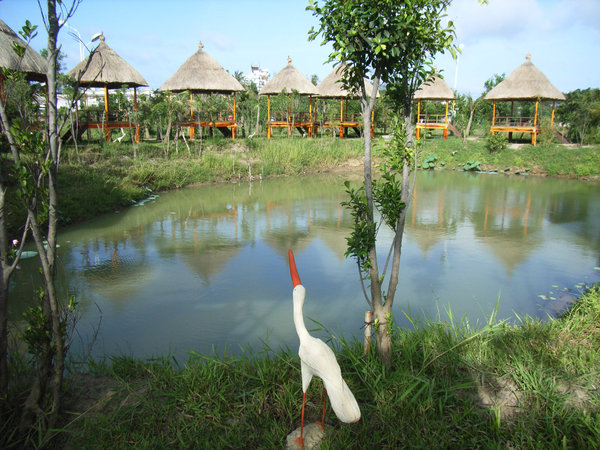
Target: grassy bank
[535,385]
[116,175]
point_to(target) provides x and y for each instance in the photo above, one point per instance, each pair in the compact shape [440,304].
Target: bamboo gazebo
[105,69]
[526,83]
[436,90]
[331,88]
[200,73]
[288,80]
[31,64]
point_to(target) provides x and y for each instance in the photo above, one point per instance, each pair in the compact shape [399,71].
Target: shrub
[496,142]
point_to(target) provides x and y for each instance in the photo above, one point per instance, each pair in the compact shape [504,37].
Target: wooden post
[192,127]
[534,134]
[310,120]
[418,117]
[341,117]
[137,122]
[268,117]
[106,129]
[446,122]
[493,116]
[552,118]
[289,116]
[373,122]
[234,127]
[368,331]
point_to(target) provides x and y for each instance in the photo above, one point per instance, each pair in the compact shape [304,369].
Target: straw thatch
[526,82]
[106,69]
[32,63]
[331,86]
[288,80]
[434,89]
[201,73]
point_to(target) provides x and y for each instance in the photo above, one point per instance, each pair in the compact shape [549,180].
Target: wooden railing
[432,118]
[513,122]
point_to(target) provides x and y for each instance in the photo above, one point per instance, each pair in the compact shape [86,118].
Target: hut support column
[341,118]
[106,129]
[310,118]
[493,117]
[534,134]
[289,115]
[552,117]
[268,117]
[446,122]
[418,117]
[192,127]
[234,126]
[137,122]
[373,122]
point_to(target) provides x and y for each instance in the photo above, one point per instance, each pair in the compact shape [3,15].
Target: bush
[496,142]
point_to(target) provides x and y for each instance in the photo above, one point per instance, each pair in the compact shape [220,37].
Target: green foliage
[429,162]
[496,142]
[362,238]
[580,114]
[472,165]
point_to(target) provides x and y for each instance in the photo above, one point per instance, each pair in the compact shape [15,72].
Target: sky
[157,36]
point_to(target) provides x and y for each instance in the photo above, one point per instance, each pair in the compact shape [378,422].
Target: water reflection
[207,266]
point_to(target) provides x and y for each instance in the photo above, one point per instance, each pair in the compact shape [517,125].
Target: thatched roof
[526,82]
[32,63]
[331,86]
[434,89]
[288,79]
[202,73]
[106,68]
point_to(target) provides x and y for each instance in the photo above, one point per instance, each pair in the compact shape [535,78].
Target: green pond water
[205,268]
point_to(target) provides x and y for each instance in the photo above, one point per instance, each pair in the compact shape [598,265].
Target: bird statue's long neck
[299,294]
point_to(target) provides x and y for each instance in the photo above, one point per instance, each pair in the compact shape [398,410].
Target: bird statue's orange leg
[322,424]
[300,440]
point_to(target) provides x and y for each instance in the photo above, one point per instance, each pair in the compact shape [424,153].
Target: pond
[205,269]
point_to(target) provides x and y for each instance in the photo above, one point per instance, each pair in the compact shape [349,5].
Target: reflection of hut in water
[202,74]
[208,260]
[31,64]
[525,84]
[288,81]
[105,69]
[332,88]
[435,90]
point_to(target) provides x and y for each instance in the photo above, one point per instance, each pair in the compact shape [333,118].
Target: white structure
[257,76]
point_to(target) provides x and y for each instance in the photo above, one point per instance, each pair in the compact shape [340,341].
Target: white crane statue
[316,358]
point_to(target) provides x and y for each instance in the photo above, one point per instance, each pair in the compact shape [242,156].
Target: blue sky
[157,36]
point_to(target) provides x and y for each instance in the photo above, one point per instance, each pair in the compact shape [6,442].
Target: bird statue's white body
[316,358]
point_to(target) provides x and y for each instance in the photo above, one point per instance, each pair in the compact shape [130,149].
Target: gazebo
[200,73]
[289,79]
[436,90]
[525,83]
[105,69]
[31,64]
[332,88]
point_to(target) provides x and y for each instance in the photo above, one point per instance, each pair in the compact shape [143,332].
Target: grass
[533,385]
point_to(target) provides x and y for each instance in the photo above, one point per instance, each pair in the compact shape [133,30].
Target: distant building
[258,76]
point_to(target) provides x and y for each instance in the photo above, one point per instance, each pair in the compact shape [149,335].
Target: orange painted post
[268,117]
[493,116]
[552,118]
[373,122]
[446,122]
[192,127]
[289,117]
[341,117]
[534,134]
[106,129]
[310,120]
[418,117]
[234,127]
[137,122]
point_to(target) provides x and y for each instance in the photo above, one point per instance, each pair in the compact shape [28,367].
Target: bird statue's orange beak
[293,271]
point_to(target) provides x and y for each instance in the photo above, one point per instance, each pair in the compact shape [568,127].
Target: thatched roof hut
[202,73]
[526,82]
[331,86]
[106,69]
[32,63]
[288,80]
[434,89]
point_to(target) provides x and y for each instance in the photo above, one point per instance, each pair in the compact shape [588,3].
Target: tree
[393,42]
[580,113]
[35,160]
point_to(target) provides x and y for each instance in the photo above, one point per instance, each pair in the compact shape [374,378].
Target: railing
[432,119]
[514,122]
[298,116]
[335,118]
[99,116]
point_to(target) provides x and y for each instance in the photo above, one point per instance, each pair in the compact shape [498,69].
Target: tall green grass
[533,385]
